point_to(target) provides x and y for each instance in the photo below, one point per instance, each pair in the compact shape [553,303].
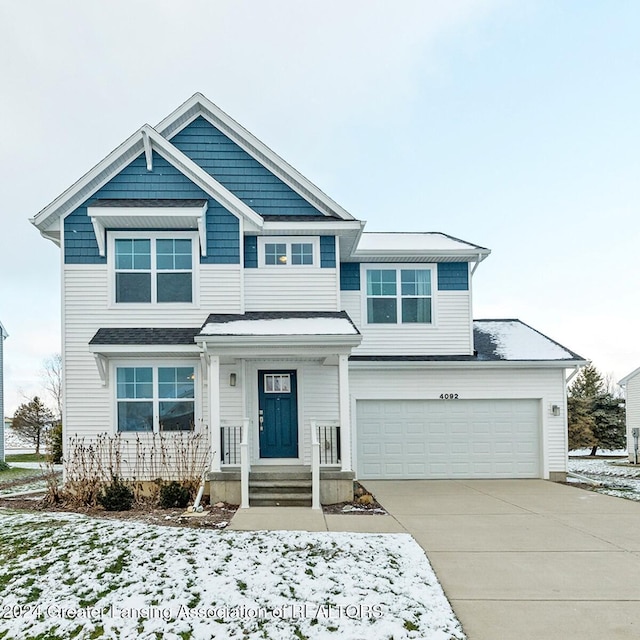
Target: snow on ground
[66,575]
[617,477]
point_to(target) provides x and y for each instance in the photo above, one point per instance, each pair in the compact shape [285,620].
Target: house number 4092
[448,396]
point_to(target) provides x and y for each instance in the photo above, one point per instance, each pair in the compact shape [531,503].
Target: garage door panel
[440,439]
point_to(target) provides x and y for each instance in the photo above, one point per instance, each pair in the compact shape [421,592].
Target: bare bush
[145,461]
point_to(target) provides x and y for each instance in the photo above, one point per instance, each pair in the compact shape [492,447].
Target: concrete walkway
[518,559]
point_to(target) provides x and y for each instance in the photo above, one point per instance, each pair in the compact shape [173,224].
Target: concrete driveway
[526,559]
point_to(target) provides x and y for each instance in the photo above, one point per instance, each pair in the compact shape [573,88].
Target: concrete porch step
[295,499]
[280,486]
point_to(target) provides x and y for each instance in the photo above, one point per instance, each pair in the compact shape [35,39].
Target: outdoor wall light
[555,410]
[233,379]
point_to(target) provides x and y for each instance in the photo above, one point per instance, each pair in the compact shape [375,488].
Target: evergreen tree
[30,421]
[595,415]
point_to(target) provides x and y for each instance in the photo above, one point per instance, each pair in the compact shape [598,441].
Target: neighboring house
[208,285]
[631,386]
[3,336]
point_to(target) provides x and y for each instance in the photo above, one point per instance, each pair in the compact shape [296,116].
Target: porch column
[214,411]
[345,417]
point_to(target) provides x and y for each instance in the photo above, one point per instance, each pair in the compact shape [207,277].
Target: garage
[432,439]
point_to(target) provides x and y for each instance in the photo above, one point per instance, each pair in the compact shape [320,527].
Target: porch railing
[328,434]
[230,439]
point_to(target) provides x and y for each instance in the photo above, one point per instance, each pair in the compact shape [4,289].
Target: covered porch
[279,407]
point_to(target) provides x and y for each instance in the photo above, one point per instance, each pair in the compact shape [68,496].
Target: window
[155,398]
[277,383]
[149,270]
[399,295]
[292,252]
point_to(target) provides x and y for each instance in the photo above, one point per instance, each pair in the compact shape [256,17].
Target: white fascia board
[284,227]
[103,217]
[467,255]
[74,195]
[462,364]
[131,148]
[215,341]
[199,105]
[232,353]
[111,350]
[629,377]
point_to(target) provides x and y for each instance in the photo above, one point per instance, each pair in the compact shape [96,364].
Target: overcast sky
[511,124]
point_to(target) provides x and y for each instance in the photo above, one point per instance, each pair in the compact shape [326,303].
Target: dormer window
[289,252]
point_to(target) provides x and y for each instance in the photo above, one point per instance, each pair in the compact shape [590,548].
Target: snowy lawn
[617,477]
[70,576]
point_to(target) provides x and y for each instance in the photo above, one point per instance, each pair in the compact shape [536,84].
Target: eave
[457,364]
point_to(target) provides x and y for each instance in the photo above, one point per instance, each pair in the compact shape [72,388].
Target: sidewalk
[306,519]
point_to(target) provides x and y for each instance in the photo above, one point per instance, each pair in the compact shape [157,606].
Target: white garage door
[448,439]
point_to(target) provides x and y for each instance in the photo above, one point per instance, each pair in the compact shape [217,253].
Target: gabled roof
[199,105]
[629,377]
[3,332]
[146,140]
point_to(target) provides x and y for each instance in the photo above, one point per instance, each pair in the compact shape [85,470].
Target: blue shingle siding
[327,252]
[453,276]
[234,168]
[251,252]
[350,276]
[165,181]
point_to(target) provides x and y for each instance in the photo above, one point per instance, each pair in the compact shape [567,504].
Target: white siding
[450,334]
[632,410]
[291,290]
[545,385]
[88,404]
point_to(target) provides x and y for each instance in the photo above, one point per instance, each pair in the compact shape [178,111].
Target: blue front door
[278,414]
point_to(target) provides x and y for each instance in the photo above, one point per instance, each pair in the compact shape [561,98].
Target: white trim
[104,217]
[214,411]
[345,418]
[199,105]
[153,235]
[288,241]
[124,350]
[629,377]
[148,152]
[472,364]
[121,157]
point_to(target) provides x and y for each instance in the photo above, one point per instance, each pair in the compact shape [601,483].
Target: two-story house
[207,285]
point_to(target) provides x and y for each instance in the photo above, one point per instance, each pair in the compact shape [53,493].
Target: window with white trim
[153,269]
[155,399]
[399,296]
[289,252]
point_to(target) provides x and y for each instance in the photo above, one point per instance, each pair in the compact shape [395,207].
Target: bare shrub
[146,462]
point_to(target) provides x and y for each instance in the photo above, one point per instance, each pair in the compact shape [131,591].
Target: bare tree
[52,378]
